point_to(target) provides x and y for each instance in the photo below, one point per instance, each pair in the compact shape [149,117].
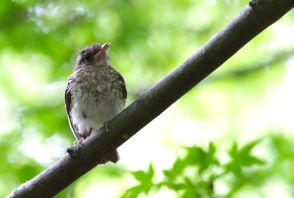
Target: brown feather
[123,85]
[67,100]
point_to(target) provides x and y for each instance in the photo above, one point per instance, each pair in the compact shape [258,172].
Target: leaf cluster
[196,173]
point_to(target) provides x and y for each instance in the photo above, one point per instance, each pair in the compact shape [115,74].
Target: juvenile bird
[95,93]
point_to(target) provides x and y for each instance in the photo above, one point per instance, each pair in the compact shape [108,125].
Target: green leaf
[242,157]
[211,148]
[145,180]
[144,177]
[234,149]
[245,150]
[140,176]
[133,192]
[177,168]
[251,160]
[150,172]
[196,156]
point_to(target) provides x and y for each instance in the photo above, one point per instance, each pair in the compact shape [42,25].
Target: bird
[95,93]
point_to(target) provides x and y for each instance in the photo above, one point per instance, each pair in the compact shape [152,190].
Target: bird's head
[95,55]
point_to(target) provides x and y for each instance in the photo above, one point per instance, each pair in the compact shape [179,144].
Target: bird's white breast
[94,101]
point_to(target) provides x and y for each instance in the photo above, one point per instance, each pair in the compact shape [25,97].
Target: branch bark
[256,16]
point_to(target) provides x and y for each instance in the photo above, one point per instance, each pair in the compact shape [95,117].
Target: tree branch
[253,20]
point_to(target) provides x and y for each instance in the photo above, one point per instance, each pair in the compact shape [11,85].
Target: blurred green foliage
[202,172]
[39,41]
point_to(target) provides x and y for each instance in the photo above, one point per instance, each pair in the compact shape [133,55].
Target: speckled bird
[95,93]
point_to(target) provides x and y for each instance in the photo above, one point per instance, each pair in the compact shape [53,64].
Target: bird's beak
[102,53]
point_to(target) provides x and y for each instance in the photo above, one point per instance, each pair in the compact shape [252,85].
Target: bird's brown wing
[68,106]
[123,86]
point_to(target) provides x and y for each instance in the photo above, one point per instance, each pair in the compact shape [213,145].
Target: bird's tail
[113,157]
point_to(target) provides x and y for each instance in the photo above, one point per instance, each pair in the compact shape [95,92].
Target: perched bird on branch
[95,93]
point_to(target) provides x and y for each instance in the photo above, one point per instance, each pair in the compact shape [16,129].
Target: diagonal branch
[254,19]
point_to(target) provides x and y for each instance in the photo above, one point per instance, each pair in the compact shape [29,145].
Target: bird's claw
[80,141]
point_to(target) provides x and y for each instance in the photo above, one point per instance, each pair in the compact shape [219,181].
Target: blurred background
[250,97]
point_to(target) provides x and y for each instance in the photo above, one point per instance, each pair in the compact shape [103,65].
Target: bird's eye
[87,56]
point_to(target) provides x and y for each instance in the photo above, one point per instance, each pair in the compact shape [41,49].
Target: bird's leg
[80,141]
[90,131]
[105,125]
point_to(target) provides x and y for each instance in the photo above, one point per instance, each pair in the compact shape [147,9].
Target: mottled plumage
[95,92]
